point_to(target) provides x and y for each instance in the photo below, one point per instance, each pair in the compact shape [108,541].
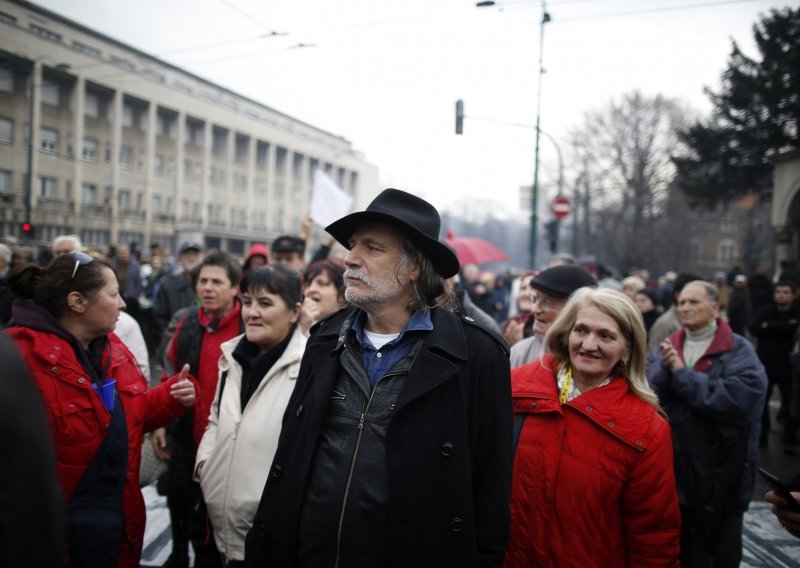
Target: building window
[140,164]
[727,250]
[48,140]
[5,181]
[123,64]
[47,187]
[262,150]
[171,167]
[86,49]
[8,18]
[154,76]
[125,157]
[158,164]
[89,193]
[6,130]
[50,92]
[156,204]
[187,168]
[195,210]
[184,208]
[6,79]
[107,154]
[91,105]
[198,173]
[89,152]
[727,225]
[127,116]
[242,146]
[124,198]
[45,33]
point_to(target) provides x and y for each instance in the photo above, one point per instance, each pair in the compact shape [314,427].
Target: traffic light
[27,229]
[459,116]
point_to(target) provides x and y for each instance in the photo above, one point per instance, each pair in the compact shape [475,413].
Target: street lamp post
[535,189]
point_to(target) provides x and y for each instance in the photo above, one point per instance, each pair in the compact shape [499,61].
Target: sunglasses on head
[80,258]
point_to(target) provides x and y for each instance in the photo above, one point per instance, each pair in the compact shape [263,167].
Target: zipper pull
[361,421]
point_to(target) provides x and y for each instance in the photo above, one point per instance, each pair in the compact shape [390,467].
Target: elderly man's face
[64,247]
[373,274]
[695,308]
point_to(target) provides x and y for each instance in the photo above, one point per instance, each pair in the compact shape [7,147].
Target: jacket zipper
[360,427]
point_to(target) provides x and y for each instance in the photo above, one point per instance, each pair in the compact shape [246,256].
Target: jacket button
[588,409]
[447,449]
[456,524]
[276,471]
[54,370]
[611,423]
[81,380]
[533,406]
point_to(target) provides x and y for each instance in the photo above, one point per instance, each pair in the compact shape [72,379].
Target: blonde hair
[621,309]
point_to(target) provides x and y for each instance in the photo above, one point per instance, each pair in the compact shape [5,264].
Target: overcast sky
[386,74]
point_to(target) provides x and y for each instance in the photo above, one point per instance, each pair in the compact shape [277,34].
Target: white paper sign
[329,202]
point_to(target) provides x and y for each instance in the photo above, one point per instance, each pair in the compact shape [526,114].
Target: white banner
[329,202]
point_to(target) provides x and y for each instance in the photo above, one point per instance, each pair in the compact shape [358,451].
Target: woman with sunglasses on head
[96,401]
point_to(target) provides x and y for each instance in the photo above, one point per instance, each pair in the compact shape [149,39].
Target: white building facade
[128,148]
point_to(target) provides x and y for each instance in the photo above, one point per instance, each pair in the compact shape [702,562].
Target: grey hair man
[65,244]
[712,385]
[396,443]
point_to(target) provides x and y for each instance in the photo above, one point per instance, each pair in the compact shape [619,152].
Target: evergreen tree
[755,117]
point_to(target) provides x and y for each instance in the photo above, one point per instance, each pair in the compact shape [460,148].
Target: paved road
[765,543]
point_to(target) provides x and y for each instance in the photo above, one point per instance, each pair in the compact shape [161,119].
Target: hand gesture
[670,358]
[182,390]
[159,441]
[790,520]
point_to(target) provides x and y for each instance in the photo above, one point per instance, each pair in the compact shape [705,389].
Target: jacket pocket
[74,421]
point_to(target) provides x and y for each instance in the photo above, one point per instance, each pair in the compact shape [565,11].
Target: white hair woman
[593,481]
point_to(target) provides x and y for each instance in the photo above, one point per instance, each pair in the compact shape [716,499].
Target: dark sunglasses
[80,258]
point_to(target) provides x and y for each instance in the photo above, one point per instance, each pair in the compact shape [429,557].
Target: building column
[180,150]
[79,97]
[116,142]
[251,183]
[272,203]
[149,160]
[205,198]
[228,188]
[34,133]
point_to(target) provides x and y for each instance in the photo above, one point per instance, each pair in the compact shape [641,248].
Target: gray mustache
[356,275]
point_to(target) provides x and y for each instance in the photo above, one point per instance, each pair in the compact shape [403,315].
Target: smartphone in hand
[780,489]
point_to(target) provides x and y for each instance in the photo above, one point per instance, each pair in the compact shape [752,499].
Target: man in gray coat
[712,385]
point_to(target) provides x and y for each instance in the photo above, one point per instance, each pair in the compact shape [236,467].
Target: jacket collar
[613,407]
[292,354]
[722,343]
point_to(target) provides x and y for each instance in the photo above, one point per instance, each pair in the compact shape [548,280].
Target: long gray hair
[429,285]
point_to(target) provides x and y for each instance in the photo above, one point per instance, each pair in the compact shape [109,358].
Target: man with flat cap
[396,443]
[552,287]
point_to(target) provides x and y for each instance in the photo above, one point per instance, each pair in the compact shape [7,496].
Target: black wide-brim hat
[415,218]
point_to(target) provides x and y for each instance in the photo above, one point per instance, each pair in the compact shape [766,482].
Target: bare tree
[623,152]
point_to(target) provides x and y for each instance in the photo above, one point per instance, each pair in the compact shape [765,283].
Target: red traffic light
[27,228]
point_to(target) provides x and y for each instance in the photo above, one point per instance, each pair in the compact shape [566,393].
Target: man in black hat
[290,251]
[396,443]
[552,287]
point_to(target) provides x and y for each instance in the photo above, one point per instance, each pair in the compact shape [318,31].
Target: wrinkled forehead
[383,232]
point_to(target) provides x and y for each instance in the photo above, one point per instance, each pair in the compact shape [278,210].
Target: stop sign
[561,207]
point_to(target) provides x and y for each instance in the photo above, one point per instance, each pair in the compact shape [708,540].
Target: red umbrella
[472,250]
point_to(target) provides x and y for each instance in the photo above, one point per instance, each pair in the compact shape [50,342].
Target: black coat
[448,451]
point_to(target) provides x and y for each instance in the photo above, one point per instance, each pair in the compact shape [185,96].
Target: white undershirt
[378,340]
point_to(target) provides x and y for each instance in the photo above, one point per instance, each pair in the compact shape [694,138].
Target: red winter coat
[77,418]
[593,483]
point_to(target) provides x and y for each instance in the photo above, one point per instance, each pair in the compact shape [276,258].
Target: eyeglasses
[544,303]
[80,258]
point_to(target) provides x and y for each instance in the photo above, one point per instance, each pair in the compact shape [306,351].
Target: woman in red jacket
[593,482]
[96,400]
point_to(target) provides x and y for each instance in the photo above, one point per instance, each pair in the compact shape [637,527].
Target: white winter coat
[237,448]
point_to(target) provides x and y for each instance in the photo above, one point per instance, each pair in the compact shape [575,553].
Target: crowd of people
[381,404]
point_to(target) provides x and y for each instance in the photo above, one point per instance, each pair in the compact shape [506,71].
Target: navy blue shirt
[378,362]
